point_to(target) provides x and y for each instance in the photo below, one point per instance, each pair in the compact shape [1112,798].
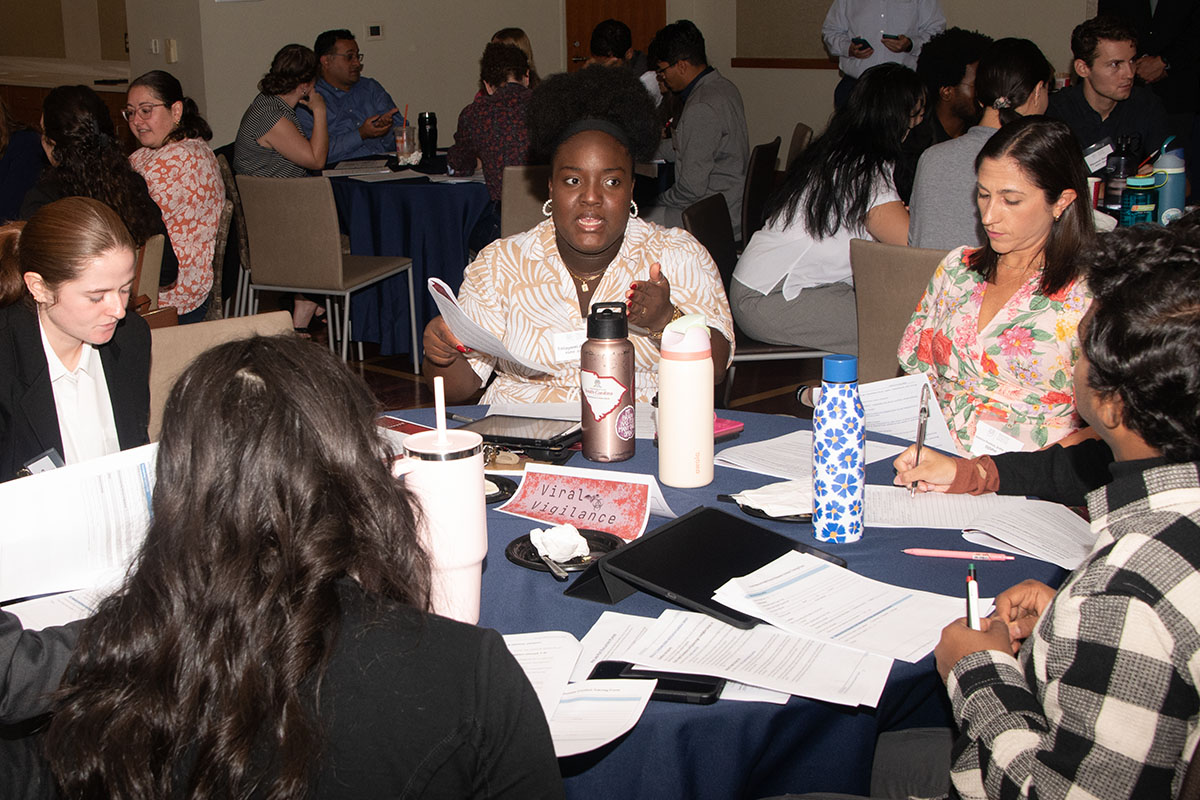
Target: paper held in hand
[469,332]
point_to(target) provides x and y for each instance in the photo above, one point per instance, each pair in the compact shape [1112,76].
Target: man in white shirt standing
[863,33]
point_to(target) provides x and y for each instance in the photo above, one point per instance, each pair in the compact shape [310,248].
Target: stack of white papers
[789,456]
[808,596]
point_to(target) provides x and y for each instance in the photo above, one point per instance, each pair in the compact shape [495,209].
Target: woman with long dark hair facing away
[272,638]
[792,284]
[997,328]
[184,179]
[86,161]
[74,368]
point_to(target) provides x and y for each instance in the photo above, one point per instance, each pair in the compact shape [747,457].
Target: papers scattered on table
[469,332]
[891,407]
[587,714]
[1034,528]
[352,168]
[807,596]
[1041,530]
[788,456]
[594,713]
[476,178]
[386,176]
[697,644]
[48,545]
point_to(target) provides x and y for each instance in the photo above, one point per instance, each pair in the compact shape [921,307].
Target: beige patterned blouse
[185,181]
[519,290]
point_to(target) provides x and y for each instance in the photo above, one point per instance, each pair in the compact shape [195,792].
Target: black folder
[688,559]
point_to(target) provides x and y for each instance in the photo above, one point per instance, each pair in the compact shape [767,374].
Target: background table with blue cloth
[427,222]
[735,749]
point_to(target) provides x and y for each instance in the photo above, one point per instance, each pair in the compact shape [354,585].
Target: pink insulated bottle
[685,404]
[606,383]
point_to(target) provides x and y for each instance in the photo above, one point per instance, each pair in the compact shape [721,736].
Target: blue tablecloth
[427,222]
[733,749]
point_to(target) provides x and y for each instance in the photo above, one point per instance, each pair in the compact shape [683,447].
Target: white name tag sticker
[1097,159]
[567,344]
[991,441]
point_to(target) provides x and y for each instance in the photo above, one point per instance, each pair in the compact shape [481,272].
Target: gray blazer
[710,148]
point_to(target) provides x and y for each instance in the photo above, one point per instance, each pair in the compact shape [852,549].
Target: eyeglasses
[660,70]
[143,111]
[359,57]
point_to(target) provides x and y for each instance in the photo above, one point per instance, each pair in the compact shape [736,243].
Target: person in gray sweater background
[1013,80]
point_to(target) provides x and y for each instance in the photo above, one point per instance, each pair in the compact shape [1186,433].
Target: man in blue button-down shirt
[358,109]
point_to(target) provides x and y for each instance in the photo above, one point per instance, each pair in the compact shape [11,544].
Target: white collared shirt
[85,414]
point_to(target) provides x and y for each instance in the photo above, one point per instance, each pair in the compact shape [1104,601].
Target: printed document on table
[892,407]
[891,507]
[547,658]
[788,456]
[594,713]
[48,545]
[66,607]
[1042,530]
[697,644]
[469,332]
[808,596]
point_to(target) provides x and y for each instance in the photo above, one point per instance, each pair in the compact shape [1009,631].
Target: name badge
[567,344]
[991,441]
[1098,158]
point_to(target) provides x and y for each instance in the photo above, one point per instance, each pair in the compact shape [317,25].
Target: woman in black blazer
[65,281]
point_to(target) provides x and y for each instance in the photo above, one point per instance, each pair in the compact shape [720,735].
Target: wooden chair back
[760,182]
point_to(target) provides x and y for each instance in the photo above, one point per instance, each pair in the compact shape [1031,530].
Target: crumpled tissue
[783,499]
[560,543]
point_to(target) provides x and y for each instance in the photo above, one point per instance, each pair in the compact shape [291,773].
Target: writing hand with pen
[1018,611]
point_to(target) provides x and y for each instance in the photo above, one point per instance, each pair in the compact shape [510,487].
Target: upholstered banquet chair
[173,348]
[888,283]
[760,182]
[296,246]
[708,221]
[801,136]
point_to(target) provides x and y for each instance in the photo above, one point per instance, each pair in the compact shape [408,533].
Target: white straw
[439,403]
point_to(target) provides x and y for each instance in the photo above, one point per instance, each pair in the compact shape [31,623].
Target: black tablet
[525,431]
[690,557]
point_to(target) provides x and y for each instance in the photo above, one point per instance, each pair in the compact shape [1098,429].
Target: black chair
[708,221]
[760,182]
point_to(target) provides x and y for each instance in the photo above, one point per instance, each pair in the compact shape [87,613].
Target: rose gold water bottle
[606,382]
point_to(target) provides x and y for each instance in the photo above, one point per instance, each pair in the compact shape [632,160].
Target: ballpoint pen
[922,422]
[972,599]
[967,554]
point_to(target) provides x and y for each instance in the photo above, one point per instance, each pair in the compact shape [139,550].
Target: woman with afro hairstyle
[534,290]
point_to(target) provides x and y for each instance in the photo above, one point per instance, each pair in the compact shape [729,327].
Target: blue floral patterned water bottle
[839,453]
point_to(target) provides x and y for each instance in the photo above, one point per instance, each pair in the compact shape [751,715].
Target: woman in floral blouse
[996,329]
[184,179]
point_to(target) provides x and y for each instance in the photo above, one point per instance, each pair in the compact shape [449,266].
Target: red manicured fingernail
[460,348]
[633,286]
[629,294]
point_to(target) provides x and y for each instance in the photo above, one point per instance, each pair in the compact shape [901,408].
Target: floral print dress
[1014,375]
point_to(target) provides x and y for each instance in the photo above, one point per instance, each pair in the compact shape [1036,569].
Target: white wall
[429,56]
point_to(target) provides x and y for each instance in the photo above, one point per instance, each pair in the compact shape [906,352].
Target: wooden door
[644,18]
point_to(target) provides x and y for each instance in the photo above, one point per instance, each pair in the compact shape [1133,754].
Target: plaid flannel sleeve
[1106,722]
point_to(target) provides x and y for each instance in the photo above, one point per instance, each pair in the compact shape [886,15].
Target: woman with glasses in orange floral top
[997,327]
[184,180]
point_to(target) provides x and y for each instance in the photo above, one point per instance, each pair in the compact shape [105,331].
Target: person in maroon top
[492,130]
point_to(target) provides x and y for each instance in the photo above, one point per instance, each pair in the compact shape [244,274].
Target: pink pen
[967,554]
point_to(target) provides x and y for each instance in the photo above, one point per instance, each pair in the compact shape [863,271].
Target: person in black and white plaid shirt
[1093,691]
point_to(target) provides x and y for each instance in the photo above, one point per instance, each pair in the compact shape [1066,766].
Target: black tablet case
[688,559]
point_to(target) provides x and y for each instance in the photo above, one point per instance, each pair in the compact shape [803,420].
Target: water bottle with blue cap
[839,453]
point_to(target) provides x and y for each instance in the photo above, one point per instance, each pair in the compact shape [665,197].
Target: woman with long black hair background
[792,284]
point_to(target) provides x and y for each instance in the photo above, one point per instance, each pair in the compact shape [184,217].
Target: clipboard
[686,560]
